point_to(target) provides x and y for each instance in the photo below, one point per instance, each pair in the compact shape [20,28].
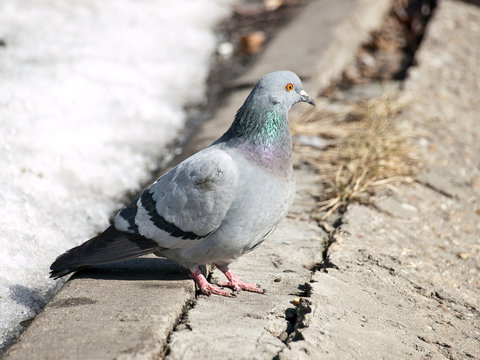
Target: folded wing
[186,204]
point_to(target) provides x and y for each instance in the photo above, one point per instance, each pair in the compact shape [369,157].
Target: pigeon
[216,205]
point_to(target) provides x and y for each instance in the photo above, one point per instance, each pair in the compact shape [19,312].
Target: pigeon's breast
[262,200]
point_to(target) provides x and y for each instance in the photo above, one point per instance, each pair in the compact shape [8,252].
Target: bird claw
[240,285]
[205,287]
[229,285]
[210,289]
[234,283]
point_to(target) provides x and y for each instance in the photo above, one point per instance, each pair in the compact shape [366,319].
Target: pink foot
[205,287]
[236,284]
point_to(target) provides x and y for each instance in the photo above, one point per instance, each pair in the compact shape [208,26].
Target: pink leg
[205,287]
[236,284]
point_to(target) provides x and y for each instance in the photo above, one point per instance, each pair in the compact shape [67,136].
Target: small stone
[225,49]
[271,5]
[252,43]
[283,336]
[181,327]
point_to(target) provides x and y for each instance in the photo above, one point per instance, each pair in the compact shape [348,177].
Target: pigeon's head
[283,88]
[262,120]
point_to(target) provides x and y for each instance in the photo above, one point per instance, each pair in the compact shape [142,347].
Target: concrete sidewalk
[408,277]
[408,269]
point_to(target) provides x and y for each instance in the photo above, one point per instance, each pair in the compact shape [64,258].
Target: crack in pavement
[180,324]
[296,317]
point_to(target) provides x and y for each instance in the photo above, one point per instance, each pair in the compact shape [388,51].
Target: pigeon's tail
[110,246]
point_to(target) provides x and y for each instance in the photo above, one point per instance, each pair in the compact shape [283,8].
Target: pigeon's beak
[305,97]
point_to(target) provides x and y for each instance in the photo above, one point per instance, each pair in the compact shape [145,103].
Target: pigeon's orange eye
[289,87]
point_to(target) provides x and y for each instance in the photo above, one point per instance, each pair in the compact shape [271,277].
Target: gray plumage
[216,205]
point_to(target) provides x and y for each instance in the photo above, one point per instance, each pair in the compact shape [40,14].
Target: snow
[91,92]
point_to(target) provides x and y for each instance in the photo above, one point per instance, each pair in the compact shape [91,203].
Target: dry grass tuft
[368,151]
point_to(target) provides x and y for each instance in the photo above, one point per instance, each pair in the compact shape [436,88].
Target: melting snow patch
[90,93]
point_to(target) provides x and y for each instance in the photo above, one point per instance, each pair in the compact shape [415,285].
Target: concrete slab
[407,283]
[122,311]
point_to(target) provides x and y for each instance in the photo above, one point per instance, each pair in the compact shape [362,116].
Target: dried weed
[368,151]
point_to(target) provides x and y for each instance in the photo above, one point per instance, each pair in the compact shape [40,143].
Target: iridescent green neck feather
[262,134]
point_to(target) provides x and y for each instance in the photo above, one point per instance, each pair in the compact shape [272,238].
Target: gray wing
[186,204]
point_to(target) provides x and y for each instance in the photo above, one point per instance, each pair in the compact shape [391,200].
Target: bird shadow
[144,268]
